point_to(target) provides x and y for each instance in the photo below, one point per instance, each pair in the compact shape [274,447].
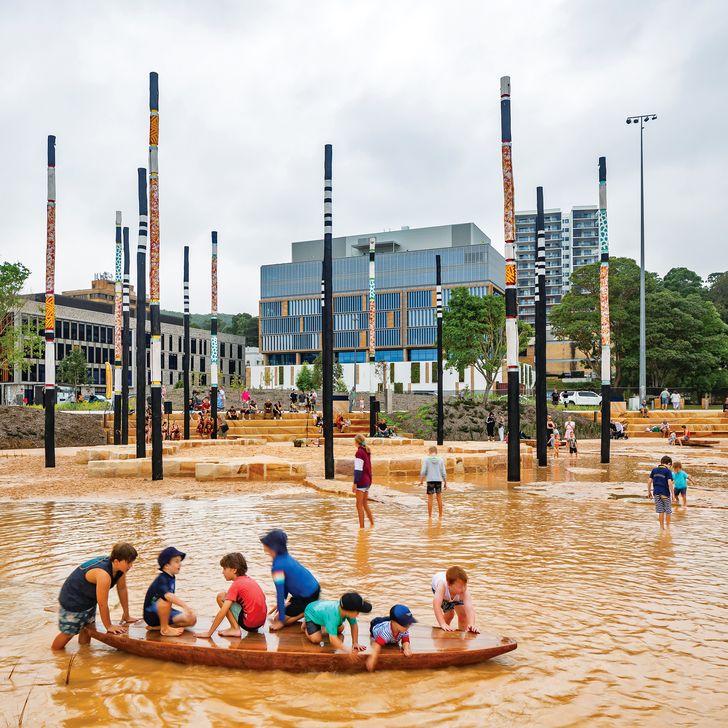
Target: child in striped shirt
[392,630]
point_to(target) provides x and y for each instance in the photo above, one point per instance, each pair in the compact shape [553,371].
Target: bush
[415,373]
[398,388]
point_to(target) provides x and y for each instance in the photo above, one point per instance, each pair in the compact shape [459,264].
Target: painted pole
[213,338]
[141,316]
[540,333]
[327,321]
[156,338]
[438,301]
[49,400]
[372,338]
[117,331]
[186,338]
[509,228]
[125,342]
[604,306]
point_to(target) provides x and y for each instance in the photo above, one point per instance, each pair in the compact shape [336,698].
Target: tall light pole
[642,119]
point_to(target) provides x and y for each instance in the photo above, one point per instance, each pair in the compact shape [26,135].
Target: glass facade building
[290,306]
[572,240]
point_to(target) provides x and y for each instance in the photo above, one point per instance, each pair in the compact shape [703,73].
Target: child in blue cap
[158,611]
[392,630]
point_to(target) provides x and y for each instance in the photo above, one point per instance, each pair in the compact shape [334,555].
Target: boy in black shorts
[433,471]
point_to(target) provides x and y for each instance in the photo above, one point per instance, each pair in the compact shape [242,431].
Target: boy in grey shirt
[433,471]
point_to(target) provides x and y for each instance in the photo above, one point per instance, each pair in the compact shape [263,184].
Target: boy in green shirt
[330,616]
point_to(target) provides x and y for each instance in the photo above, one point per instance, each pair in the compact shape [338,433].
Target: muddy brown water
[617,624]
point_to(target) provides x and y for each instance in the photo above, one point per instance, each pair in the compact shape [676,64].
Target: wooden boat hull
[289,649]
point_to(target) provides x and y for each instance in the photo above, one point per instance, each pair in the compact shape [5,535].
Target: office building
[290,304]
[572,240]
[88,324]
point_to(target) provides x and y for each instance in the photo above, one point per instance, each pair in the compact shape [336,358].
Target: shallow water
[617,624]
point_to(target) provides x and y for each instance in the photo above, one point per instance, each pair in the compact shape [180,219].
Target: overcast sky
[408,94]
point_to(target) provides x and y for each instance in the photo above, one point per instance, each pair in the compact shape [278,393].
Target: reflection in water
[617,624]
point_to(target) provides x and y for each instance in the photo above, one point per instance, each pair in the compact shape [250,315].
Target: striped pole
[213,338]
[438,301]
[372,338]
[509,228]
[49,401]
[186,339]
[540,332]
[327,320]
[141,316]
[117,331]
[125,342]
[156,338]
[604,306]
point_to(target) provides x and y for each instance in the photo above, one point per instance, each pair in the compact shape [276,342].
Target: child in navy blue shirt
[661,485]
[158,611]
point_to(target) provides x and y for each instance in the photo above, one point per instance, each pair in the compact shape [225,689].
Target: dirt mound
[24,427]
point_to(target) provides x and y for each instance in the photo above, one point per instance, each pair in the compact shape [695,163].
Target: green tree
[474,334]
[317,373]
[577,317]
[304,378]
[19,345]
[243,324]
[684,282]
[73,369]
[718,292]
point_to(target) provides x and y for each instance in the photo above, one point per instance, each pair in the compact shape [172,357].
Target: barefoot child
[330,616]
[433,471]
[392,630]
[661,483]
[89,585]
[680,479]
[452,597]
[244,602]
[362,479]
[158,611]
[289,577]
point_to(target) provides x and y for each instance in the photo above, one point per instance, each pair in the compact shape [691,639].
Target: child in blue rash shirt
[289,577]
[680,479]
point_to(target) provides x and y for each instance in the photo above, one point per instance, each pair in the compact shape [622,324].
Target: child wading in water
[661,484]
[433,471]
[391,630]
[452,597]
[362,479]
[89,585]
[158,611]
[680,478]
[244,602]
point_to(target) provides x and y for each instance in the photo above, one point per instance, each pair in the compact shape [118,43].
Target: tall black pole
[155,328]
[509,229]
[540,348]
[118,328]
[49,392]
[125,343]
[438,300]
[186,353]
[604,311]
[327,322]
[141,316]
[213,337]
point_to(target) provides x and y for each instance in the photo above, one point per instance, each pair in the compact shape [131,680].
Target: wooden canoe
[288,649]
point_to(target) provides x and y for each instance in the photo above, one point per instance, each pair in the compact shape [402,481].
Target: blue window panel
[387,301]
[281,359]
[347,303]
[389,355]
[387,337]
[351,357]
[423,355]
[421,317]
[350,321]
[312,323]
[422,337]
[419,299]
[304,306]
[346,339]
[282,325]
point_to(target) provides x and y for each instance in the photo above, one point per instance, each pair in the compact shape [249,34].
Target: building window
[173,361]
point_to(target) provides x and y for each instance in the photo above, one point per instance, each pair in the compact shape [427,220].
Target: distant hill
[202,320]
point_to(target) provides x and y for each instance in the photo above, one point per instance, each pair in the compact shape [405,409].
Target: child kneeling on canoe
[158,611]
[452,597]
[391,630]
[330,616]
[89,585]
[289,577]
[244,602]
